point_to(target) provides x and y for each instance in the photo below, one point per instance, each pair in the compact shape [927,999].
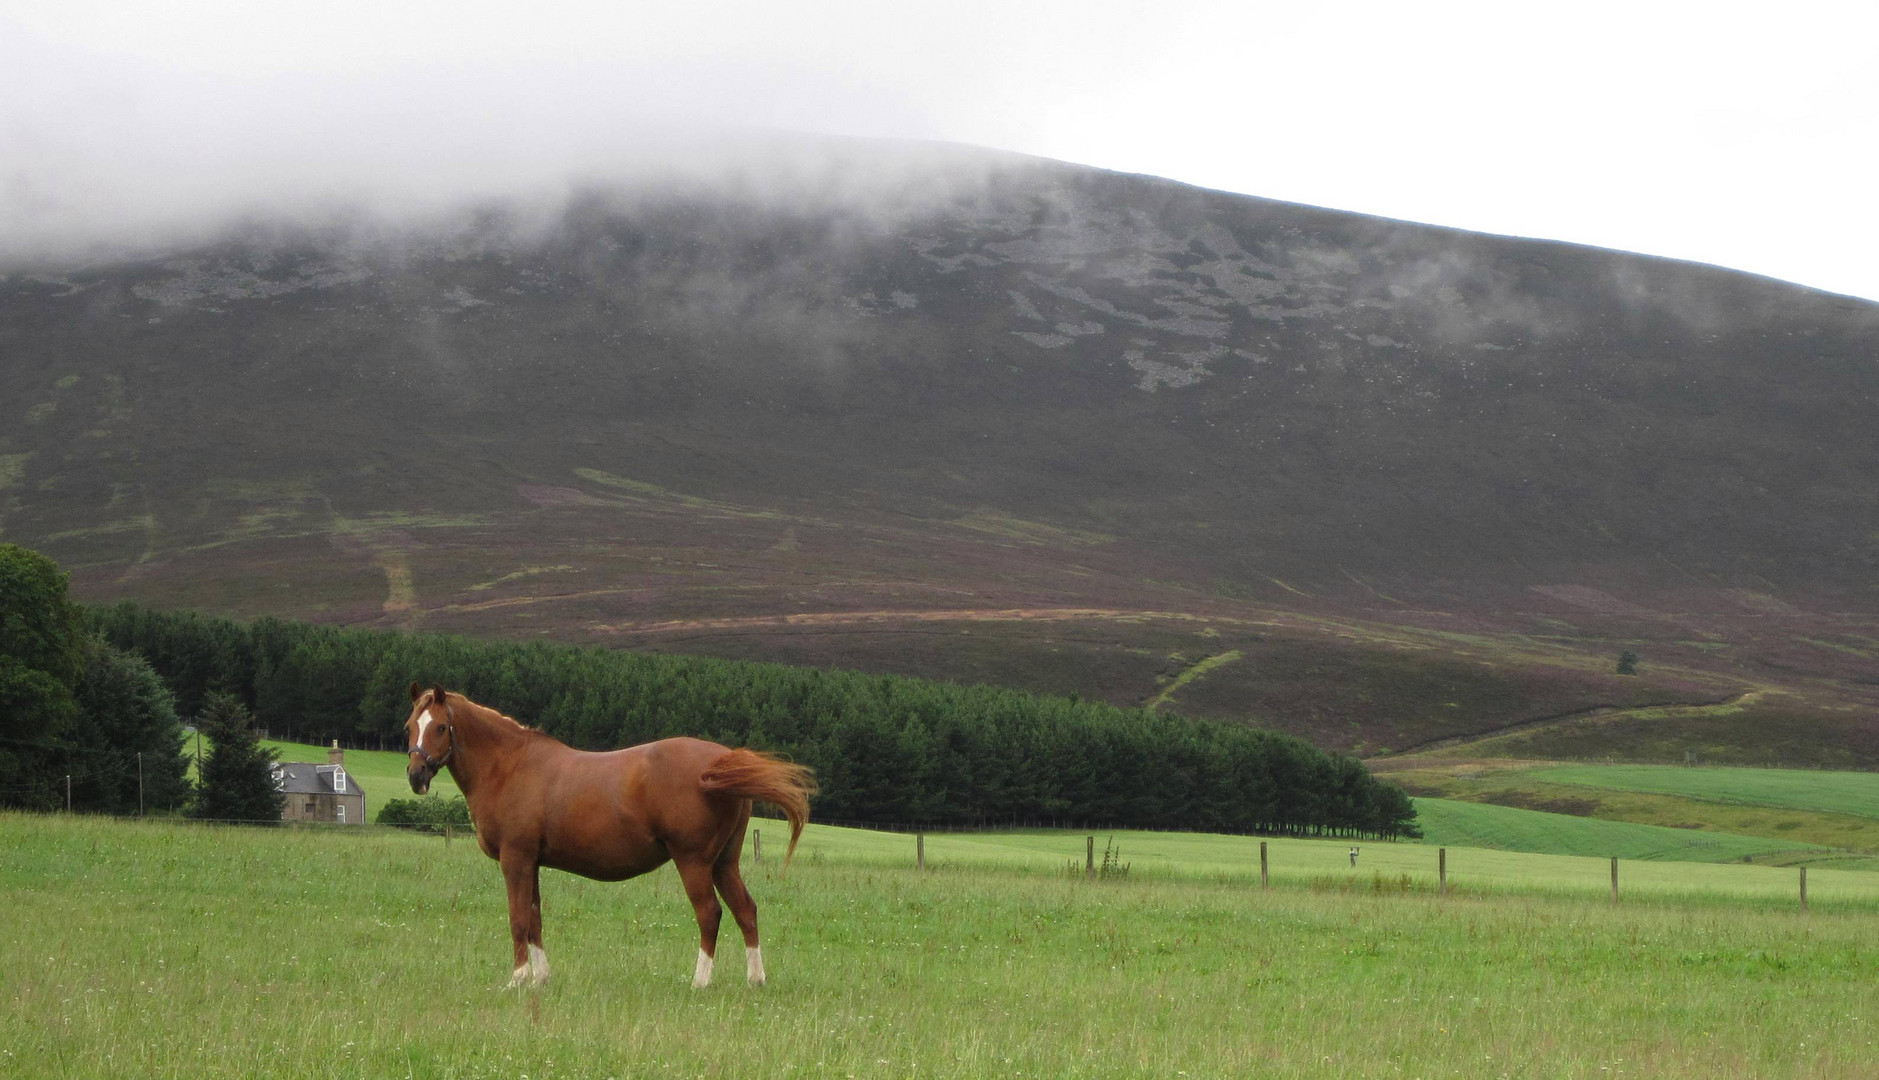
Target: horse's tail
[752,774]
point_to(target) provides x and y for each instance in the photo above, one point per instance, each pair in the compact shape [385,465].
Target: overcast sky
[1745,136]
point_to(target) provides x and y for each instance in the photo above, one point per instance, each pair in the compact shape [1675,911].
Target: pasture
[170,950]
[1803,815]
[1464,824]
[1854,793]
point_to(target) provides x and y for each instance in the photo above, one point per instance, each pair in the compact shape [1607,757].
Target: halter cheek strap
[437,763]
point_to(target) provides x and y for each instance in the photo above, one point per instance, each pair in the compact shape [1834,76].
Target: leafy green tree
[237,782]
[124,710]
[1627,663]
[42,657]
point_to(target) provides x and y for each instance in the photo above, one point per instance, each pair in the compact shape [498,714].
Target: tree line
[89,724]
[886,749]
[84,693]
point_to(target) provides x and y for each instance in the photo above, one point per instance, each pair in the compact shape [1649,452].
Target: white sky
[1742,135]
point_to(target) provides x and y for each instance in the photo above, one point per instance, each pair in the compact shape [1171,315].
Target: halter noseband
[437,763]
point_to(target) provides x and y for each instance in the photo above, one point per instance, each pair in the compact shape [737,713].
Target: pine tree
[124,710]
[236,782]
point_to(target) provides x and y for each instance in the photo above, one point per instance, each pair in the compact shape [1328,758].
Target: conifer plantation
[887,750]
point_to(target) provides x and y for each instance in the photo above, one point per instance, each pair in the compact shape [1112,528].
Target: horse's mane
[487,714]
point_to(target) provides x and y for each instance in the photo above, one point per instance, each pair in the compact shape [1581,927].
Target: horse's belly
[604,867]
[611,853]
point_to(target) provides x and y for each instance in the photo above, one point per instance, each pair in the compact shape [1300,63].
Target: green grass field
[168,950]
[1802,815]
[1648,876]
[1452,822]
[1801,789]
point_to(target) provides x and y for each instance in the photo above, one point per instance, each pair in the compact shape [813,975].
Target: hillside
[941,412]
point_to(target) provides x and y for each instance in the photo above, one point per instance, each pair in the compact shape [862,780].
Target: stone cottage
[313,792]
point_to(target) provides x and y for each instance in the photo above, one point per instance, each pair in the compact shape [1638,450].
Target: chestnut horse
[537,802]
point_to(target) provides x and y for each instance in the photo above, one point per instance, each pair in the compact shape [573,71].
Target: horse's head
[431,735]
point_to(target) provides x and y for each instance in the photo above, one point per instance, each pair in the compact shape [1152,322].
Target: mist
[1693,134]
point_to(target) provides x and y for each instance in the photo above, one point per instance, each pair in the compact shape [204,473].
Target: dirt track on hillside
[868,618]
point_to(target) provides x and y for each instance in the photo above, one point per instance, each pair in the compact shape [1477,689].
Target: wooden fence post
[446,836]
[919,851]
[756,845]
[1441,871]
[1089,856]
[1262,864]
[1614,879]
[1803,888]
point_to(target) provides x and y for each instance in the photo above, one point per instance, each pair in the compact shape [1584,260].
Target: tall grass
[169,950]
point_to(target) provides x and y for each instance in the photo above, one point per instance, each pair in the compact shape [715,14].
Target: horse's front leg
[523,877]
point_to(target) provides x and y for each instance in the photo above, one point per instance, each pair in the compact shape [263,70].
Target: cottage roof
[306,778]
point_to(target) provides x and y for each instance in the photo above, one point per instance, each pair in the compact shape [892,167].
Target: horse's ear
[415,692]
[437,693]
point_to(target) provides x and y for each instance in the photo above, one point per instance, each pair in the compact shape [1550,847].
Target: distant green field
[1451,822]
[1799,789]
[1646,871]
[169,950]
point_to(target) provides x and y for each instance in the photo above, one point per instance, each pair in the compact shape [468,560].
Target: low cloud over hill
[877,383]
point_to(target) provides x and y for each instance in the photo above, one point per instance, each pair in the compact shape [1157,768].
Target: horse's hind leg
[697,879]
[525,921]
[730,882]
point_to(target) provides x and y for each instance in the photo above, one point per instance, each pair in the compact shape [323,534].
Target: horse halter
[436,764]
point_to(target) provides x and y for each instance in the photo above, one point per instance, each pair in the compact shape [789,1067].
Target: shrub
[426,815]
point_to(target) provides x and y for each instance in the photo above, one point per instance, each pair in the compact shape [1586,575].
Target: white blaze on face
[753,964]
[424,721]
[701,975]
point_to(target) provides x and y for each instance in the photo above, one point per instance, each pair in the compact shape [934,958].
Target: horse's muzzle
[420,777]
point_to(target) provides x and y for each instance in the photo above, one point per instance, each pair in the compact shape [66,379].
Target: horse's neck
[487,737]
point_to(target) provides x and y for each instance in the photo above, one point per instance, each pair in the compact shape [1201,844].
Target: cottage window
[339,781]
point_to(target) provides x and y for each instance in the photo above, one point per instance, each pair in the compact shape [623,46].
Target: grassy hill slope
[996,419]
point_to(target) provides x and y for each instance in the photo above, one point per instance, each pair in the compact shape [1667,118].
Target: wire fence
[358,827]
[1021,824]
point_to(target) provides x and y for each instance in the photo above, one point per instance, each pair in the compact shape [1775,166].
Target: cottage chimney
[335,756]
